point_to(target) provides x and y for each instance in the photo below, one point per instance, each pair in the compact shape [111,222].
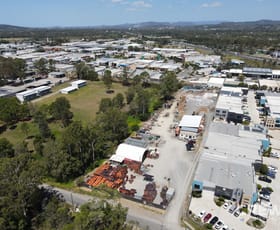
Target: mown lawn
[85,101]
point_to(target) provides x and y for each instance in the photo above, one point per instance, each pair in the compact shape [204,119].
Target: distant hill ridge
[152,24]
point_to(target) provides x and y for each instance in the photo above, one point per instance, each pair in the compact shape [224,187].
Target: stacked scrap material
[133,165]
[127,192]
[113,177]
[150,193]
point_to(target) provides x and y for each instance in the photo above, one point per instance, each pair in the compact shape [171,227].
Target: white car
[219,225]
[201,214]
[226,205]
[273,168]
[225,227]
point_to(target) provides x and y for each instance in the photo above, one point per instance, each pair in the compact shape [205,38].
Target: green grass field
[84,104]
[85,101]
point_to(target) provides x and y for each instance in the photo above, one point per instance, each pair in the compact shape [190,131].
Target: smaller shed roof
[190,121]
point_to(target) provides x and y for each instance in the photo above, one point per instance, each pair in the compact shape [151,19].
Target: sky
[50,13]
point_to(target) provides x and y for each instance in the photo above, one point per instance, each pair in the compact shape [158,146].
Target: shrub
[208,226]
[197,194]
[244,210]
[259,187]
[270,189]
[257,223]
[264,169]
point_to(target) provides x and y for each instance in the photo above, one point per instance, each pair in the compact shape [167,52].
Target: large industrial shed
[130,152]
[226,176]
[226,165]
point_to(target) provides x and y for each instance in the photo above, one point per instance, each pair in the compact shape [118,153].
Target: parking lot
[274,216]
[207,204]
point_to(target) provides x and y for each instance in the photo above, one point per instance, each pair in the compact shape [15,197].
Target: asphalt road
[75,199]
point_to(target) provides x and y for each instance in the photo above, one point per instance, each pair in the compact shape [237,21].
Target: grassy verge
[101,192]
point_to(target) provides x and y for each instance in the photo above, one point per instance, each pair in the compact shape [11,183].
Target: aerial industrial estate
[140,126]
[206,153]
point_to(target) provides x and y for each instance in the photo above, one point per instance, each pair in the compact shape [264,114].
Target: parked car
[265,179]
[214,220]
[207,217]
[201,214]
[265,197]
[271,174]
[237,213]
[225,206]
[273,168]
[276,155]
[265,191]
[219,224]
[232,208]
[225,227]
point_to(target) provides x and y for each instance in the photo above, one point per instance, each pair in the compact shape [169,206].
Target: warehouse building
[79,83]
[31,94]
[189,126]
[271,103]
[226,165]
[130,152]
[229,105]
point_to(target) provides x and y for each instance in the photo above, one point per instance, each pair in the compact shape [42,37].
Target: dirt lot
[174,162]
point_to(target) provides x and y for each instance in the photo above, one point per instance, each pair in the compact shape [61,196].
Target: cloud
[141,4]
[211,5]
[117,1]
[138,5]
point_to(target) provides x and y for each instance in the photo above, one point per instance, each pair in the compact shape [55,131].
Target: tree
[114,122]
[43,126]
[19,68]
[107,79]
[52,65]
[19,180]
[11,111]
[130,93]
[6,148]
[145,78]
[101,215]
[125,81]
[118,101]
[91,75]
[169,85]
[41,66]
[140,104]
[105,104]
[60,110]
[59,164]
[81,70]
